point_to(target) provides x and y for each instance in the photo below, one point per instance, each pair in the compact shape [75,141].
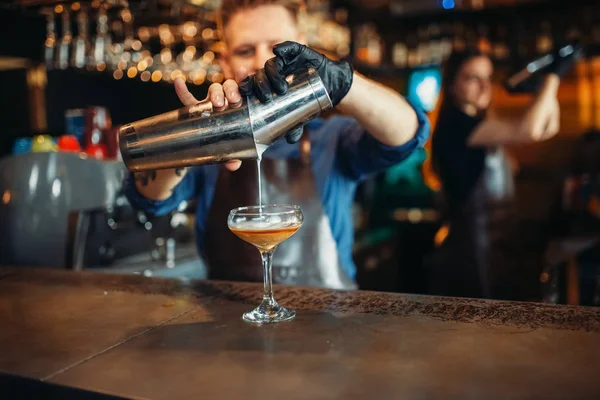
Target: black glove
[290,58]
[563,60]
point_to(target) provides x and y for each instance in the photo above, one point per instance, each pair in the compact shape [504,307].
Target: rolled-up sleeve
[185,190]
[362,154]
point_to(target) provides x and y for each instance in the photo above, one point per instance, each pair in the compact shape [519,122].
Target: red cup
[68,143]
[97,120]
[97,151]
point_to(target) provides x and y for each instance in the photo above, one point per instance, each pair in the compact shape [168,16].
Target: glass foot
[268,313]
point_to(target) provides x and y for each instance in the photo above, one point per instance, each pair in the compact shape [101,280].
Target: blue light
[424,87]
[448,4]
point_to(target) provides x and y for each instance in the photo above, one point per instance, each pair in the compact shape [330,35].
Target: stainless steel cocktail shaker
[198,135]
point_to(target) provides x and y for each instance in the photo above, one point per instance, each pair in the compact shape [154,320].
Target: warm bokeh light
[145,77]
[156,76]
[118,74]
[75,6]
[6,197]
[208,57]
[441,235]
[122,64]
[144,34]
[187,56]
[207,33]
[58,9]
[132,72]
[584,94]
[164,32]
[136,45]
[163,29]
[166,56]
[142,65]
[177,73]
[101,66]
[126,15]
[216,77]
[197,77]
[189,29]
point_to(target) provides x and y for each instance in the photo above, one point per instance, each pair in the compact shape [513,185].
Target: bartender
[480,257]
[318,168]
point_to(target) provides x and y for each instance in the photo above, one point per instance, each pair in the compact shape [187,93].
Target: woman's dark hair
[454,62]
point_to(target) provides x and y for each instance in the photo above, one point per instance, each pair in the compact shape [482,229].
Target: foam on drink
[265,235]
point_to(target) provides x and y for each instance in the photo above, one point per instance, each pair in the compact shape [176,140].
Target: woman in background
[481,254]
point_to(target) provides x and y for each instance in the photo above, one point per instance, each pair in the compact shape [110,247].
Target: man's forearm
[386,115]
[158,185]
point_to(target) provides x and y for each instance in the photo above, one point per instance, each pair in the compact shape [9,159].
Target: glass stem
[267,261]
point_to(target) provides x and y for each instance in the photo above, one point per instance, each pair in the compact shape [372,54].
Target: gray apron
[481,255]
[308,258]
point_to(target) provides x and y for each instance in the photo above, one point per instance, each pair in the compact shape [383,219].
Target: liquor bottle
[81,45]
[471,39]
[500,49]
[50,43]
[400,55]
[458,42]
[522,49]
[102,41]
[483,39]
[446,41]
[435,43]
[423,47]
[413,52]
[368,45]
[544,41]
[62,61]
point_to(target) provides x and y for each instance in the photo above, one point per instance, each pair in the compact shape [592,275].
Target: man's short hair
[230,7]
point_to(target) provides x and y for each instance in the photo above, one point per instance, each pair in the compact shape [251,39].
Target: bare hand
[222,97]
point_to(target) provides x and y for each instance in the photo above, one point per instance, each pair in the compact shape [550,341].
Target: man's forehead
[260,24]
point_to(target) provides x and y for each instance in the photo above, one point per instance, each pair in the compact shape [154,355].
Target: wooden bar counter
[152,338]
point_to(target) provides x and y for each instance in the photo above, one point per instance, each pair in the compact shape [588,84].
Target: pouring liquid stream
[260,149]
[259,186]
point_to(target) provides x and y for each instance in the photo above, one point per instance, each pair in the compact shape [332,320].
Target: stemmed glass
[265,227]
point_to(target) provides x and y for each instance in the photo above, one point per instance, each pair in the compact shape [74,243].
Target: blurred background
[72,72]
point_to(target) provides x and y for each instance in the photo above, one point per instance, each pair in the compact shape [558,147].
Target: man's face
[472,87]
[251,34]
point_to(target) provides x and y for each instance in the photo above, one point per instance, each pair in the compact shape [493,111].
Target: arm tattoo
[180,171]
[145,177]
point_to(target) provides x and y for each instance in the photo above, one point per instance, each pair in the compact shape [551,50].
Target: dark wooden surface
[168,339]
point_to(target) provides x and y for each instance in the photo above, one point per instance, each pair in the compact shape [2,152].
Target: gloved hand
[562,61]
[564,58]
[290,58]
